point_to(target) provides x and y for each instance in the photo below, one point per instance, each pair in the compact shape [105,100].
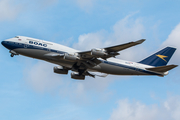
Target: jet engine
[70,57]
[75,75]
[98,52]
[60,70]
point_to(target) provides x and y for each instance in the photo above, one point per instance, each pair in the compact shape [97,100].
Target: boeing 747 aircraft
[85,63]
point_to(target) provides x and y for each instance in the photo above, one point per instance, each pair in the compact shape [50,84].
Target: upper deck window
[16,37]
[33,40]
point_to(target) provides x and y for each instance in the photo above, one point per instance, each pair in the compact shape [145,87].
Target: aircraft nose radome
[2,43]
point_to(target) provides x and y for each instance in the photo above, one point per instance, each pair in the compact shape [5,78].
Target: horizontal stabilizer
[162,68]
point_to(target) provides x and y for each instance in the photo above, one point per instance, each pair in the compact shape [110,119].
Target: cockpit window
[16,37]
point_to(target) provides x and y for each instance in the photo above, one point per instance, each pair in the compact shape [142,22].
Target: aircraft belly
[34,53]
[39,54]
[62,63]
[118,70]
[111,69]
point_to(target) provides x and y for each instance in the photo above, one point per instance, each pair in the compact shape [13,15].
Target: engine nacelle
[98,52]
[75,75]
[60,70]
[70,57]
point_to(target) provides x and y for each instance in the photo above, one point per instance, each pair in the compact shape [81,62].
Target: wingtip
[140,41]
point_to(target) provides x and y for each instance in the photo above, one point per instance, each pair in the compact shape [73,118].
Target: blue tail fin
[160,58]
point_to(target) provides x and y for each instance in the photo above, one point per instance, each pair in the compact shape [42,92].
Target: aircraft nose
[7,44]
[3,43]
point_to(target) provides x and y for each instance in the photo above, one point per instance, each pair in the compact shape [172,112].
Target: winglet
[140,41]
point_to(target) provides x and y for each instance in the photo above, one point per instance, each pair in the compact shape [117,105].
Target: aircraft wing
[109,51]
[118,48]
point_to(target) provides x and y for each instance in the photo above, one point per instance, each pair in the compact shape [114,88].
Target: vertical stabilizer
[160,58]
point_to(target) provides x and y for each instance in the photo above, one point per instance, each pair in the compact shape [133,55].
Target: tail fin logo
[162,57]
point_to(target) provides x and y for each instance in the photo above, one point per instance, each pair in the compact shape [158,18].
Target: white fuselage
[38,49]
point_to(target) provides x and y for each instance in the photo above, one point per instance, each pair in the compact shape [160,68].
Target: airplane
[89,63]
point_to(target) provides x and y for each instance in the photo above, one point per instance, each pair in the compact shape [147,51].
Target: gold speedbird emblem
[162,57]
